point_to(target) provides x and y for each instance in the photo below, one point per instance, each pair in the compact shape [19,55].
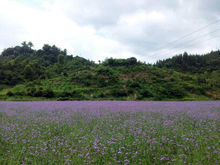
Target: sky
[149,30]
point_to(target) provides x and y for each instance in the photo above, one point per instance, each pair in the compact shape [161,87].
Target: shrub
[40,92]
[169,90]
[31,91]
[134,84]
[19,93]
[48,93]
[10,93]
[146,93]
[119,92]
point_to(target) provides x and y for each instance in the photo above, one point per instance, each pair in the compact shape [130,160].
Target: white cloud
[53,27]
[120,29]
[141,17]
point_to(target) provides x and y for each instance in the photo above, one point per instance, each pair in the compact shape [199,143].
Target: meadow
[110,132]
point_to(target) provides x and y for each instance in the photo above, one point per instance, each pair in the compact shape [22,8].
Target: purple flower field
[110,132]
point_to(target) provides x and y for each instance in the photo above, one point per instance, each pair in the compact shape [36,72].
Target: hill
[49,73]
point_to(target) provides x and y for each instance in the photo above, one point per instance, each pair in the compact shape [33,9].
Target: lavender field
[110,132]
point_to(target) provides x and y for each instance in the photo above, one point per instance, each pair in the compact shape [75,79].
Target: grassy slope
[48,74]
[150,76]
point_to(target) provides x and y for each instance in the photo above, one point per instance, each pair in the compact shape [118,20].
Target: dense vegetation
[49,73]
[193,63]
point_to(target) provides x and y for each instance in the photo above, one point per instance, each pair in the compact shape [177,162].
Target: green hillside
[50,74]
[193,63]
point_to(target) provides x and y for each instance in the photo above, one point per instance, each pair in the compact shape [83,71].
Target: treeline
[49,73]
[192,63]
[20,64]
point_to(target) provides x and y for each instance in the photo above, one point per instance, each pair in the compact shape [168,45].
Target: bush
[9,93]
[200,90]
[146,93]
[168,91]
[64,94]
[40,92]
[48,93]
[19,93]
[133,84]
[119,92]
[101,95]
[31,91]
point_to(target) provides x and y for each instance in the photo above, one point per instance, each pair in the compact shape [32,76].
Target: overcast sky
[98,29]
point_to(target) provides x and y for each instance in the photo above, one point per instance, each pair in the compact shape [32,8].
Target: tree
[24,44]
[28,72]
[132,61]
[61,59]
[30,44]
[185,57]
[26,48]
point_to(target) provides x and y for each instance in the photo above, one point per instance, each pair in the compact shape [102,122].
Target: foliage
[120,62]
[50,73]
[192,63]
